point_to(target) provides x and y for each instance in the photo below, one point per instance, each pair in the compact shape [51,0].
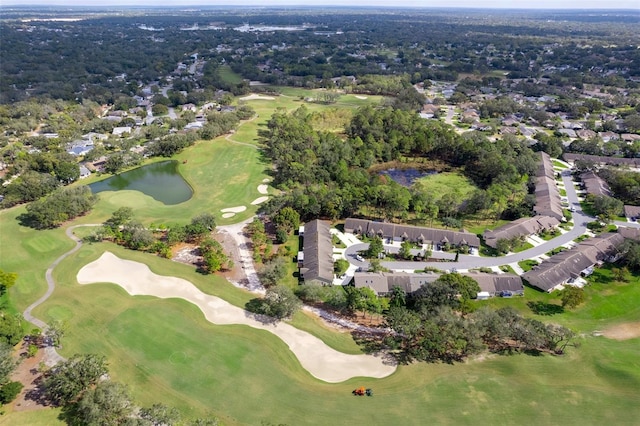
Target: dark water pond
[406,177]
[158,180]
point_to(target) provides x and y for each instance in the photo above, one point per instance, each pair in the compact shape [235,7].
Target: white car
[359,258]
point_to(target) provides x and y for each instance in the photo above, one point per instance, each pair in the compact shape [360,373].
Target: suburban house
[632,212]
[566,266]
[120,131]
[317,261]
[490,284]
[390,231]
[630,233]
[594,185]
[522,227]
[548,201]
[84,172]
[384,282]
[598,159]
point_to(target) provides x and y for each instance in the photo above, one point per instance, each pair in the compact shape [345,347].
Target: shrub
[10,391]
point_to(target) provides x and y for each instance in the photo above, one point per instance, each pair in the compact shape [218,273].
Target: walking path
[52,357]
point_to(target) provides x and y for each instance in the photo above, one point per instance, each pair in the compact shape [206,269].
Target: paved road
[469,262]
[51,355]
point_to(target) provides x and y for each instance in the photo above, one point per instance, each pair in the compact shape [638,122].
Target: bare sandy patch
[259,200]
[314,355]
[360,97]
[262,189]
[228,215]
[265,180]
[629,330]
[255,97]
[238,209]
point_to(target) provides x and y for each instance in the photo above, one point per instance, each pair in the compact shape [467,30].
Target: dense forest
[327,175]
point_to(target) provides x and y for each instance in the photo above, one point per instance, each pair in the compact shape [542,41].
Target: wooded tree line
[439,322]
[325,175]
[122,228]
[80,385]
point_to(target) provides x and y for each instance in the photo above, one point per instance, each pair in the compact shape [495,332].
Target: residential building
[317,261]
[522,227]
[548,201]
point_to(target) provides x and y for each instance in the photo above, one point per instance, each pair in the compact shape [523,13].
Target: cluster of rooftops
[562,268]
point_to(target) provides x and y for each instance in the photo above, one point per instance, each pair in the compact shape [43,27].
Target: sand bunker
[629,330]
[259,200]
[253,97]
[238,209]
[263,189]
[228,215]
[265,180]
[360,97]
[315,356]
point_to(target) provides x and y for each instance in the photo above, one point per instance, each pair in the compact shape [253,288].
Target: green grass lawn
[526,265]
[228,75]
[167,352]
[46,417]
[443,183]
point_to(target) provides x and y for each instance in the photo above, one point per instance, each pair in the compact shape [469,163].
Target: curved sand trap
[629,330]
[228,215]
[259,200]
[263,189]
[315,356]
[360,97]
[238,209]
[253,97]
[265,180]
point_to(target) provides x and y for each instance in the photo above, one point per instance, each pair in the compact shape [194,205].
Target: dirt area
[27,373]
[235,275]
[629,330]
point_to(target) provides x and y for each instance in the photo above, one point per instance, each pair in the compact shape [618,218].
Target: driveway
[580,221]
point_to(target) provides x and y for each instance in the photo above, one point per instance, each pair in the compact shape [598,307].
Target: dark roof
[413,233]
[613,161]
[630,233]
[570,263]
[318,252]
[524,226]
[548,202]
[497,283]
[632,211]
[594,184]
[383,282]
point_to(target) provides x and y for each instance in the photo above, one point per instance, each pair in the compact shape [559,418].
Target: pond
[406,177]
[160,181]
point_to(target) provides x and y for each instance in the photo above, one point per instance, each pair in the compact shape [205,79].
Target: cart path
[51,355]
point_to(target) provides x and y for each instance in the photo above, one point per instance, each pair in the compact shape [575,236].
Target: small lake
[406,177]
[161,181]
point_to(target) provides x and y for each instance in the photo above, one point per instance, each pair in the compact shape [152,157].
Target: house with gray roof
[594,184]
[415,234]
[548,201]
[602,160]
[566,266]
[632,212]
[382,283]
[317,264]
[522,227]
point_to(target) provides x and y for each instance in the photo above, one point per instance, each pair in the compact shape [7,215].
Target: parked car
[359,258]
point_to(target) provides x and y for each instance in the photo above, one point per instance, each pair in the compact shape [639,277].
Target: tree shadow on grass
[543,308]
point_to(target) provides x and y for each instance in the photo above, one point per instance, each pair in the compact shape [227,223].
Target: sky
[487,4]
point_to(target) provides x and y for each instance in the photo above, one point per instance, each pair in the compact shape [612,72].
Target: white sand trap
[315,356]
[263,189]
[238,209]
[254,97]
[265,180]
[629,330]
[259,200]
[228,215]
[360,97]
